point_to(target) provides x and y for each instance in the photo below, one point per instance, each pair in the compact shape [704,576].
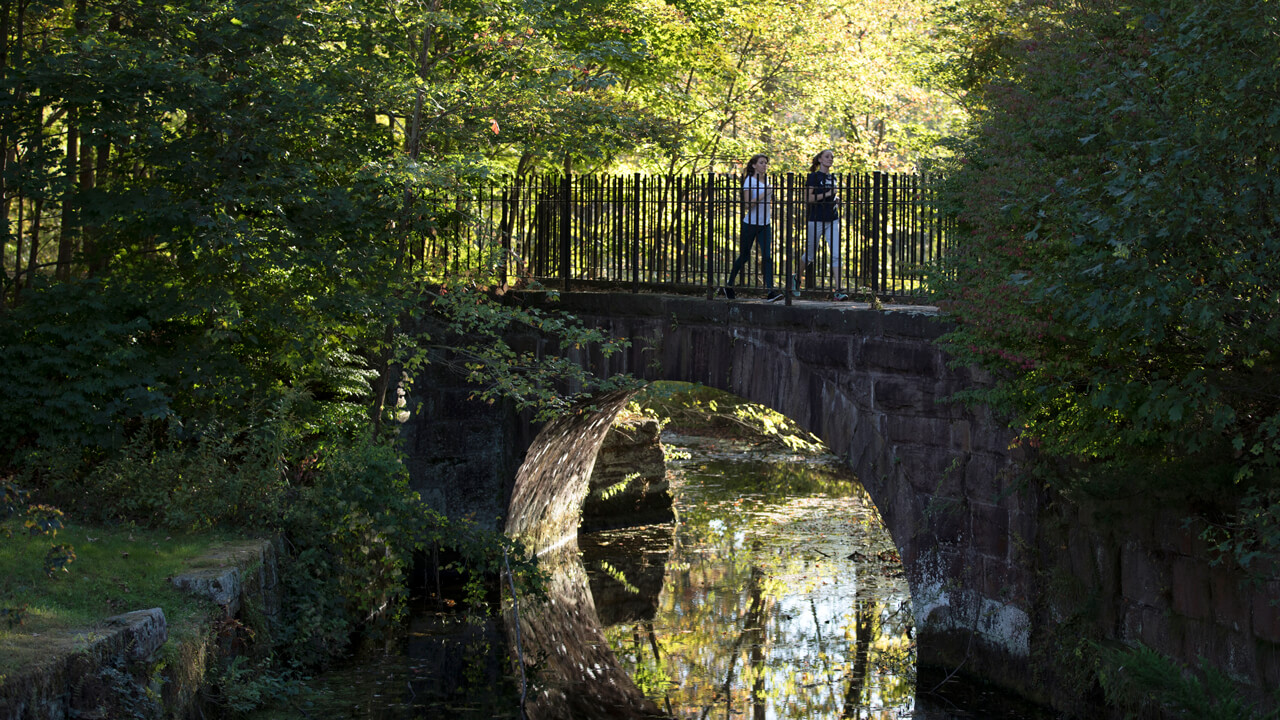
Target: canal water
[780,593]
[777,594]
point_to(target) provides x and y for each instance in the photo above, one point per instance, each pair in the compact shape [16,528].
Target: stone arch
[551,484]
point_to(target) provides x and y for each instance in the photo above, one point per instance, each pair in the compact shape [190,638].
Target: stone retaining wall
[1138,572]
[114,670]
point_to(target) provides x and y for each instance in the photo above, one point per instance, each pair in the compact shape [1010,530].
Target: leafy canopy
[1118,206]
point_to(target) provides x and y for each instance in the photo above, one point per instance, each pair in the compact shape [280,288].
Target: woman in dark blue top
[823,215]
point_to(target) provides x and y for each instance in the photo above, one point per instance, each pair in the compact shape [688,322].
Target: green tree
[242,211]
[728,79]
[1118,273]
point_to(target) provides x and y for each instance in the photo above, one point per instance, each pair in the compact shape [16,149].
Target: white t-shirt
[756,189]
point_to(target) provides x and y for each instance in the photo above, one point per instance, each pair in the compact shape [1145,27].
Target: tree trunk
[510,216]
[66,234]
[858,677]
[85,183]
[6,7]
[33,254]
[17,254]
[70,221]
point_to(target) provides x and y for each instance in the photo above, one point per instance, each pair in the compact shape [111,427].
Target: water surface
[782,595]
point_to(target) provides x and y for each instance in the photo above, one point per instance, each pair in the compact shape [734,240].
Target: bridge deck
[827,302]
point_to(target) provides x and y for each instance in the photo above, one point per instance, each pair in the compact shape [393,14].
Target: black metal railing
[681,233]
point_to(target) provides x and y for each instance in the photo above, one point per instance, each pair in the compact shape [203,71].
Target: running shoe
[774,296]
[839,296]
[726,292]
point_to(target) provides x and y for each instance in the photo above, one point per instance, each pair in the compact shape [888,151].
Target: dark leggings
[749,234]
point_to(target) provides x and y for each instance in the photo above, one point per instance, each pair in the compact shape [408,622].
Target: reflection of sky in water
[782,597]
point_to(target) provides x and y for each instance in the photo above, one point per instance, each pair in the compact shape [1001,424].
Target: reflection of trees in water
[753,636]
[703,673]
[763,604]
[858,678]
[776,479]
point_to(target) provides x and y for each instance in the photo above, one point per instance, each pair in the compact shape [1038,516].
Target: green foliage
[1140,680]
[619,576]
[189,478]
[12,617]
[350,531]
[608,492]
[697,406]
[75,369]
[1118,214]
[13,499]
[977,41]
[1252,534]
[12,503]
[480,339]
[38,521]
[58,557]
[244,684]
[43,520]
[789,79]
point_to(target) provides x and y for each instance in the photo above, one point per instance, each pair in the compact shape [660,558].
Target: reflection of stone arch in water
[575,675]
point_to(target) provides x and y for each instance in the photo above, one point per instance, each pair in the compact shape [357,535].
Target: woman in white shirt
[756,199]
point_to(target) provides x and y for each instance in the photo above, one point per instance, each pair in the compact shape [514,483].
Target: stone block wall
[461,454]
[1137,572]
[631,471]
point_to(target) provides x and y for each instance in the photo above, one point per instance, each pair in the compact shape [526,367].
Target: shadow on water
[776,594]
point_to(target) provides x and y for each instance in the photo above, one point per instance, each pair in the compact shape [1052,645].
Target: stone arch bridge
[872,386]
[980,547]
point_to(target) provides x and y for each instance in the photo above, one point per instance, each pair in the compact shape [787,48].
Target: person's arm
[816,194]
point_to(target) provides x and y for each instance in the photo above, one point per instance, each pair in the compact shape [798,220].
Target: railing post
[635,236]
[566,184]
[505,229]
[708,226]
[877,236]
[893,251]
[788,232]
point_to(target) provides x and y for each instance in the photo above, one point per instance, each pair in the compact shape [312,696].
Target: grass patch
[116,570]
